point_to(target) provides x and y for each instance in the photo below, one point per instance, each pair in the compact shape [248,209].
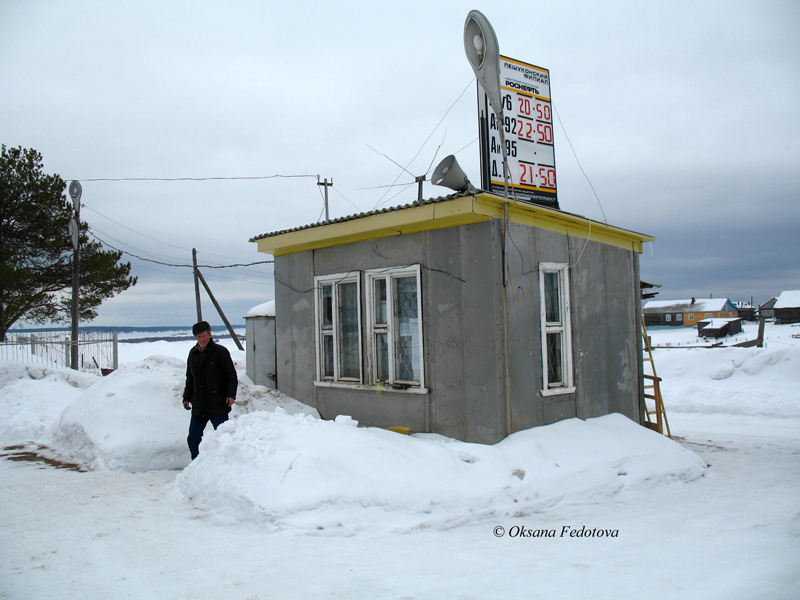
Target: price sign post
[528,133]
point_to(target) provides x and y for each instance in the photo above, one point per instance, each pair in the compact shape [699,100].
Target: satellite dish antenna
[483,53]
[448,173]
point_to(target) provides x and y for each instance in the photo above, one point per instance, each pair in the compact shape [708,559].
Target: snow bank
[134,420]
[32,398]
[131,420]
[737,381]
[331,477]
[135,352]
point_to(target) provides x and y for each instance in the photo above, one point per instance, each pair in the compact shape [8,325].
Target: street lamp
[75,191]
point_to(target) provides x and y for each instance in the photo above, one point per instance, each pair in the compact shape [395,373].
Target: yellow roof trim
[447,213]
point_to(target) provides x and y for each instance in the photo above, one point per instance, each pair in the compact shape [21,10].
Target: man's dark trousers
[196,428]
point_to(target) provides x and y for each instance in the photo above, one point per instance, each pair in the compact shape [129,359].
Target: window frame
[321,330]
[373,328]
[562,327]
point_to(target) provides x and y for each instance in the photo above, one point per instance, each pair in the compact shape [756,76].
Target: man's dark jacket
[210,380]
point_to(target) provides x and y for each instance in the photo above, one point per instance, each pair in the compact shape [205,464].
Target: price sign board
[528,132]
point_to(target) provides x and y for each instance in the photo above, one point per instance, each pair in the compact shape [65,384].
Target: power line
[158,262]
[189,178]
[381,200]
[560,122]
[126,244]
[132,230]
[143,235]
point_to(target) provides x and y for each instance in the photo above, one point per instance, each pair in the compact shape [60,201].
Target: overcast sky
[685,117]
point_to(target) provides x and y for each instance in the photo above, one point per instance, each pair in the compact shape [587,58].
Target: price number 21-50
[537,176]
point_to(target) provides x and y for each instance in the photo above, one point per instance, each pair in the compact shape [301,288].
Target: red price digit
[524,105]
[547,177]
[527,175]
[545,132]
[526,130]
[543,111]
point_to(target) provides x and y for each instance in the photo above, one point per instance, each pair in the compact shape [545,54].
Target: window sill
[369,388]
[558,391]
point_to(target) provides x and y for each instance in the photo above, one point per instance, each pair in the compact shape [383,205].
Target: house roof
[789,299]
[768,304]
[445,211]
[715,323]
[684,306]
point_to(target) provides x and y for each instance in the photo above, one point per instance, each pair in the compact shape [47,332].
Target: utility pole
[196,286]
[219,310]
[326,184]
[75,192]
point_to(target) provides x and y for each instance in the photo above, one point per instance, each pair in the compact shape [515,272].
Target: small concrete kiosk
[441,316]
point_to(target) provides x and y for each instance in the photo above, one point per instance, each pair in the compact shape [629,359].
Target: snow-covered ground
[281,504]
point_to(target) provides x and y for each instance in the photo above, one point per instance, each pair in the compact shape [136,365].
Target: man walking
[211,384]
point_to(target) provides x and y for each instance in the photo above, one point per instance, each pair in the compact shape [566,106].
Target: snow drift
[735,381]
[32,398]
[134,420]
[331,477]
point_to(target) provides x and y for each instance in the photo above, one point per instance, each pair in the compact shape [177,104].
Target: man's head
[202,333]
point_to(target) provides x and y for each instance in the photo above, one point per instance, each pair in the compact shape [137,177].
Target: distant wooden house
[441,316]
[767,310]
[746,311]
[687,312]
[787,307]
[718,328]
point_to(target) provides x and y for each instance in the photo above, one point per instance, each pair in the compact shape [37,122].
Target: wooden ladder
[655,388]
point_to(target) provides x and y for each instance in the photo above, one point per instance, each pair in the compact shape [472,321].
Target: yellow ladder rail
[655,386]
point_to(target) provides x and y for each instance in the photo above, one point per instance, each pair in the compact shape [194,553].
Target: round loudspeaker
[448,173]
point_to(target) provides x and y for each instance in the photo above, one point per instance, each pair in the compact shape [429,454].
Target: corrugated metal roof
[681,306]
[364,214]
[406,206]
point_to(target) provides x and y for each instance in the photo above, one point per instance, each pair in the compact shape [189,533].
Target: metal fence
[97,352]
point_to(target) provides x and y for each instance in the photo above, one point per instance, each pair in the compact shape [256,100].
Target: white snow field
[99,499]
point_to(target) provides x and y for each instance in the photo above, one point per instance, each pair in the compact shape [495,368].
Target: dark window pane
[406,330]
[406,297]
[552,295]
[348,330]
[380,302]
[554,359]
[381,357]
[327,356]
[327,306]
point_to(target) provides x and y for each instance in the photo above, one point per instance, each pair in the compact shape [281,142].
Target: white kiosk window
[394,319]
[557,377]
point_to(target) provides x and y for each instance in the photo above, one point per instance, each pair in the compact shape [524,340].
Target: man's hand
[186,405]
[230,401]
